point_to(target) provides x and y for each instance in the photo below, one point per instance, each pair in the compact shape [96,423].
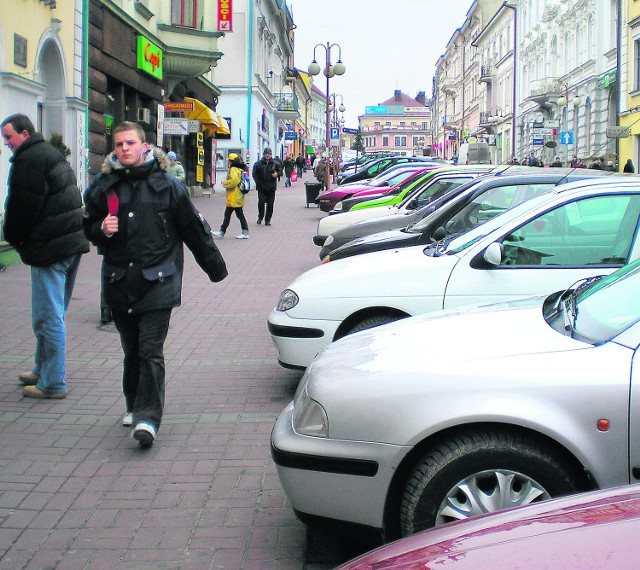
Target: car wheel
[480,473]
[374,321]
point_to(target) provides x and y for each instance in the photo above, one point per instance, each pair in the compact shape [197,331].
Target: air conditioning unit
[144,115]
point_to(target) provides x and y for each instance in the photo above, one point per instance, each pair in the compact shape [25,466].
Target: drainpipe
[85,85]
[249,82]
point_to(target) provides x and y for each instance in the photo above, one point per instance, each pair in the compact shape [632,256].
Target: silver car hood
[448,337]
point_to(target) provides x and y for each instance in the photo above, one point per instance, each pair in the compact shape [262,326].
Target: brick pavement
[77,492]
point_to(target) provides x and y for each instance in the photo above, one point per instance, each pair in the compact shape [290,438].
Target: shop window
[184,13]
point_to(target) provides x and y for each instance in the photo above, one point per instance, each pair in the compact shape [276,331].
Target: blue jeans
[51,288]
[142,337]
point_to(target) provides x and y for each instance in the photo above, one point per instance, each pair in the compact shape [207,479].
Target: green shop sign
[606,79]
[149,57]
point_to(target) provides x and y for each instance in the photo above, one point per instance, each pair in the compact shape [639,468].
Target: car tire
[372,322]
[482,472]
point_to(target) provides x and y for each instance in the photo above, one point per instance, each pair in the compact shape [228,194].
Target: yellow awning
[210,121]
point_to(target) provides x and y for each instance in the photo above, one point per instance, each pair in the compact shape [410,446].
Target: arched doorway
[51,73]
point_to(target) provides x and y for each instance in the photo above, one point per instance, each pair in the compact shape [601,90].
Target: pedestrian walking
[265,175]
[557,163]
[43,221]
[139,217]
[288,170]
[300,164]
[320,171]
[235,197]
[175,166]
[628,167]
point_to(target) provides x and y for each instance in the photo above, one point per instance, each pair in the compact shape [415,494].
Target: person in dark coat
[265,175]
[300,165]
[628,166]
[140,216]
[288,170]
[43,221]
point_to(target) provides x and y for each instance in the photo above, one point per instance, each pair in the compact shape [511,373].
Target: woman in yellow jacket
[235,198]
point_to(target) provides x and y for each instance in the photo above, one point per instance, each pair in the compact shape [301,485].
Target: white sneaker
[217,234]
[144,433]
[243,236]
[127,420]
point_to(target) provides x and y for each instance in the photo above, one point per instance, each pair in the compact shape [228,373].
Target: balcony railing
[486,73]
[286,102]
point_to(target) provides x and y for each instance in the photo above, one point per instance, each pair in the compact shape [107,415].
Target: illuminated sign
[225,16]
[149,57]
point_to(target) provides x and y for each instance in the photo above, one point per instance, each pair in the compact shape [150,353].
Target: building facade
[42,47]
[400,125]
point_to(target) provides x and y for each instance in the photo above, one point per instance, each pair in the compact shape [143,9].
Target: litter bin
[312,191]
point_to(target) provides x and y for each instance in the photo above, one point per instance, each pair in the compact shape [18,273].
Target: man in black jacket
[265,175]
[139,217]
[43,221]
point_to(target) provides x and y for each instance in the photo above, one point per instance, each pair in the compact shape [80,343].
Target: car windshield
[609,306]
[391,177]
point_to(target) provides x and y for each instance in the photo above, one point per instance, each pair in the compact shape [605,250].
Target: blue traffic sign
[538,142]
[334,133]
[566,137]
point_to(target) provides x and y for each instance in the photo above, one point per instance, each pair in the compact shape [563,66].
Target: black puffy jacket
[43,209]
[143,262]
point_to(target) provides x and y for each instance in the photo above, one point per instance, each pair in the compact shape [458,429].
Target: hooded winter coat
[143,261]
[43,209]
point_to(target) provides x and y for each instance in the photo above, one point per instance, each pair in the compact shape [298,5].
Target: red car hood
[588,531]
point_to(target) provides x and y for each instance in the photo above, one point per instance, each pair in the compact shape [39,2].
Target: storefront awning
[210,121]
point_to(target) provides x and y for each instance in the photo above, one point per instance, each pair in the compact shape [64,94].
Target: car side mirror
[493,254]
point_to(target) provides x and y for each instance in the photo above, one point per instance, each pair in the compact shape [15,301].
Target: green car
[413,185]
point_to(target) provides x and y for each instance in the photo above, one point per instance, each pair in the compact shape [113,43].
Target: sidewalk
[77,492]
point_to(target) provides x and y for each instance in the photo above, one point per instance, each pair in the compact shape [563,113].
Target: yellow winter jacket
[235,198]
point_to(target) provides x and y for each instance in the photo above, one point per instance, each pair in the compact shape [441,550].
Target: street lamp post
[329,71]
[334,108]
[562,102]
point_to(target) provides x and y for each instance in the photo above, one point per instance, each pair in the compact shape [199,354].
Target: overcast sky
[386,45]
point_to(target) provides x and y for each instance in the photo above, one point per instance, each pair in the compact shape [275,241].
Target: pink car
[381,184]
[592,530]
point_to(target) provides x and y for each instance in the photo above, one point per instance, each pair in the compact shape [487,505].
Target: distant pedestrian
[265,175]
[175,166]
[628,167]
[320,171]
[300,164]
[557,163]
[533,161]
[279,166]
[288,166]
[43,221]
[610,167]
[235,198]
[139,216]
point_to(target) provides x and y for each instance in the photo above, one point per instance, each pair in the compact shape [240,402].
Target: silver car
[446,415]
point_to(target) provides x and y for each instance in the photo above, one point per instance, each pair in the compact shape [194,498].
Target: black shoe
[259,221]
[105,315]
[267,223]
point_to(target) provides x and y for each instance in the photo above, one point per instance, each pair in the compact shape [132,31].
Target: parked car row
[478,359]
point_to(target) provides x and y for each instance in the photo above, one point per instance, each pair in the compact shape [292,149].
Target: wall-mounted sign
[290,135]
[225,15]
[149,57]
[180,106]
[19,50]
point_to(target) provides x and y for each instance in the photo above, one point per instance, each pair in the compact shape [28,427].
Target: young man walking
[139,216]
[43,221]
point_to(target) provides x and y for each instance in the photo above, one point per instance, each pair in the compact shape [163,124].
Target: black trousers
[142,337]
[265,202]
[227,219]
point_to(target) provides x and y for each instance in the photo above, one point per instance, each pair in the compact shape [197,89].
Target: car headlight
[338,207]
[328,241]
[309,417]
[288,300]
